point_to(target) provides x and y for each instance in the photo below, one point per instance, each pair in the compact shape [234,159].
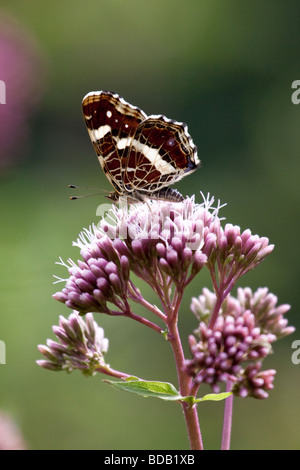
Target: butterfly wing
[161,153]
[111,123]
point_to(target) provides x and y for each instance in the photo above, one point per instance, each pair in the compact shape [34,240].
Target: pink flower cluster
[81,345]
[240,339]
[161,243]
[166,245]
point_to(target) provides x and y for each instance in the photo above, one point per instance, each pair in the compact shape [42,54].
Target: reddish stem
[144,321]
[190,412]
[219,300]
[227,419]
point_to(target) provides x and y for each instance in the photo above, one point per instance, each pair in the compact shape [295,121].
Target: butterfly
[140,155]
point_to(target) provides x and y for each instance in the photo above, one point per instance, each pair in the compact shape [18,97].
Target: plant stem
[190,412]
[113,373]
[193,427]
[144,321]
[227,419]
[152,308]
[219,300]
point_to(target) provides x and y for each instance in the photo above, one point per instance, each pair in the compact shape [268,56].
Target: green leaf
[165,333]
[214,397]
[163,390]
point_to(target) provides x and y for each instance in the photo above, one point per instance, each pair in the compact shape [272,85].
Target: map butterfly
[140,155]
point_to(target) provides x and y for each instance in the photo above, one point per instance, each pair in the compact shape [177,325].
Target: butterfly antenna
[83,196]
[74,186]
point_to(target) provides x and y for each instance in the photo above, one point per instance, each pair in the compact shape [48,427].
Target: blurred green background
[225,68]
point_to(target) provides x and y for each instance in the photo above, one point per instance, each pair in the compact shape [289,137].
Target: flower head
[239,340]
[160,242]
[253,382]
[81,345]
[232,253]
[268,315]
[98,281]
[163,237]
[163,243]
